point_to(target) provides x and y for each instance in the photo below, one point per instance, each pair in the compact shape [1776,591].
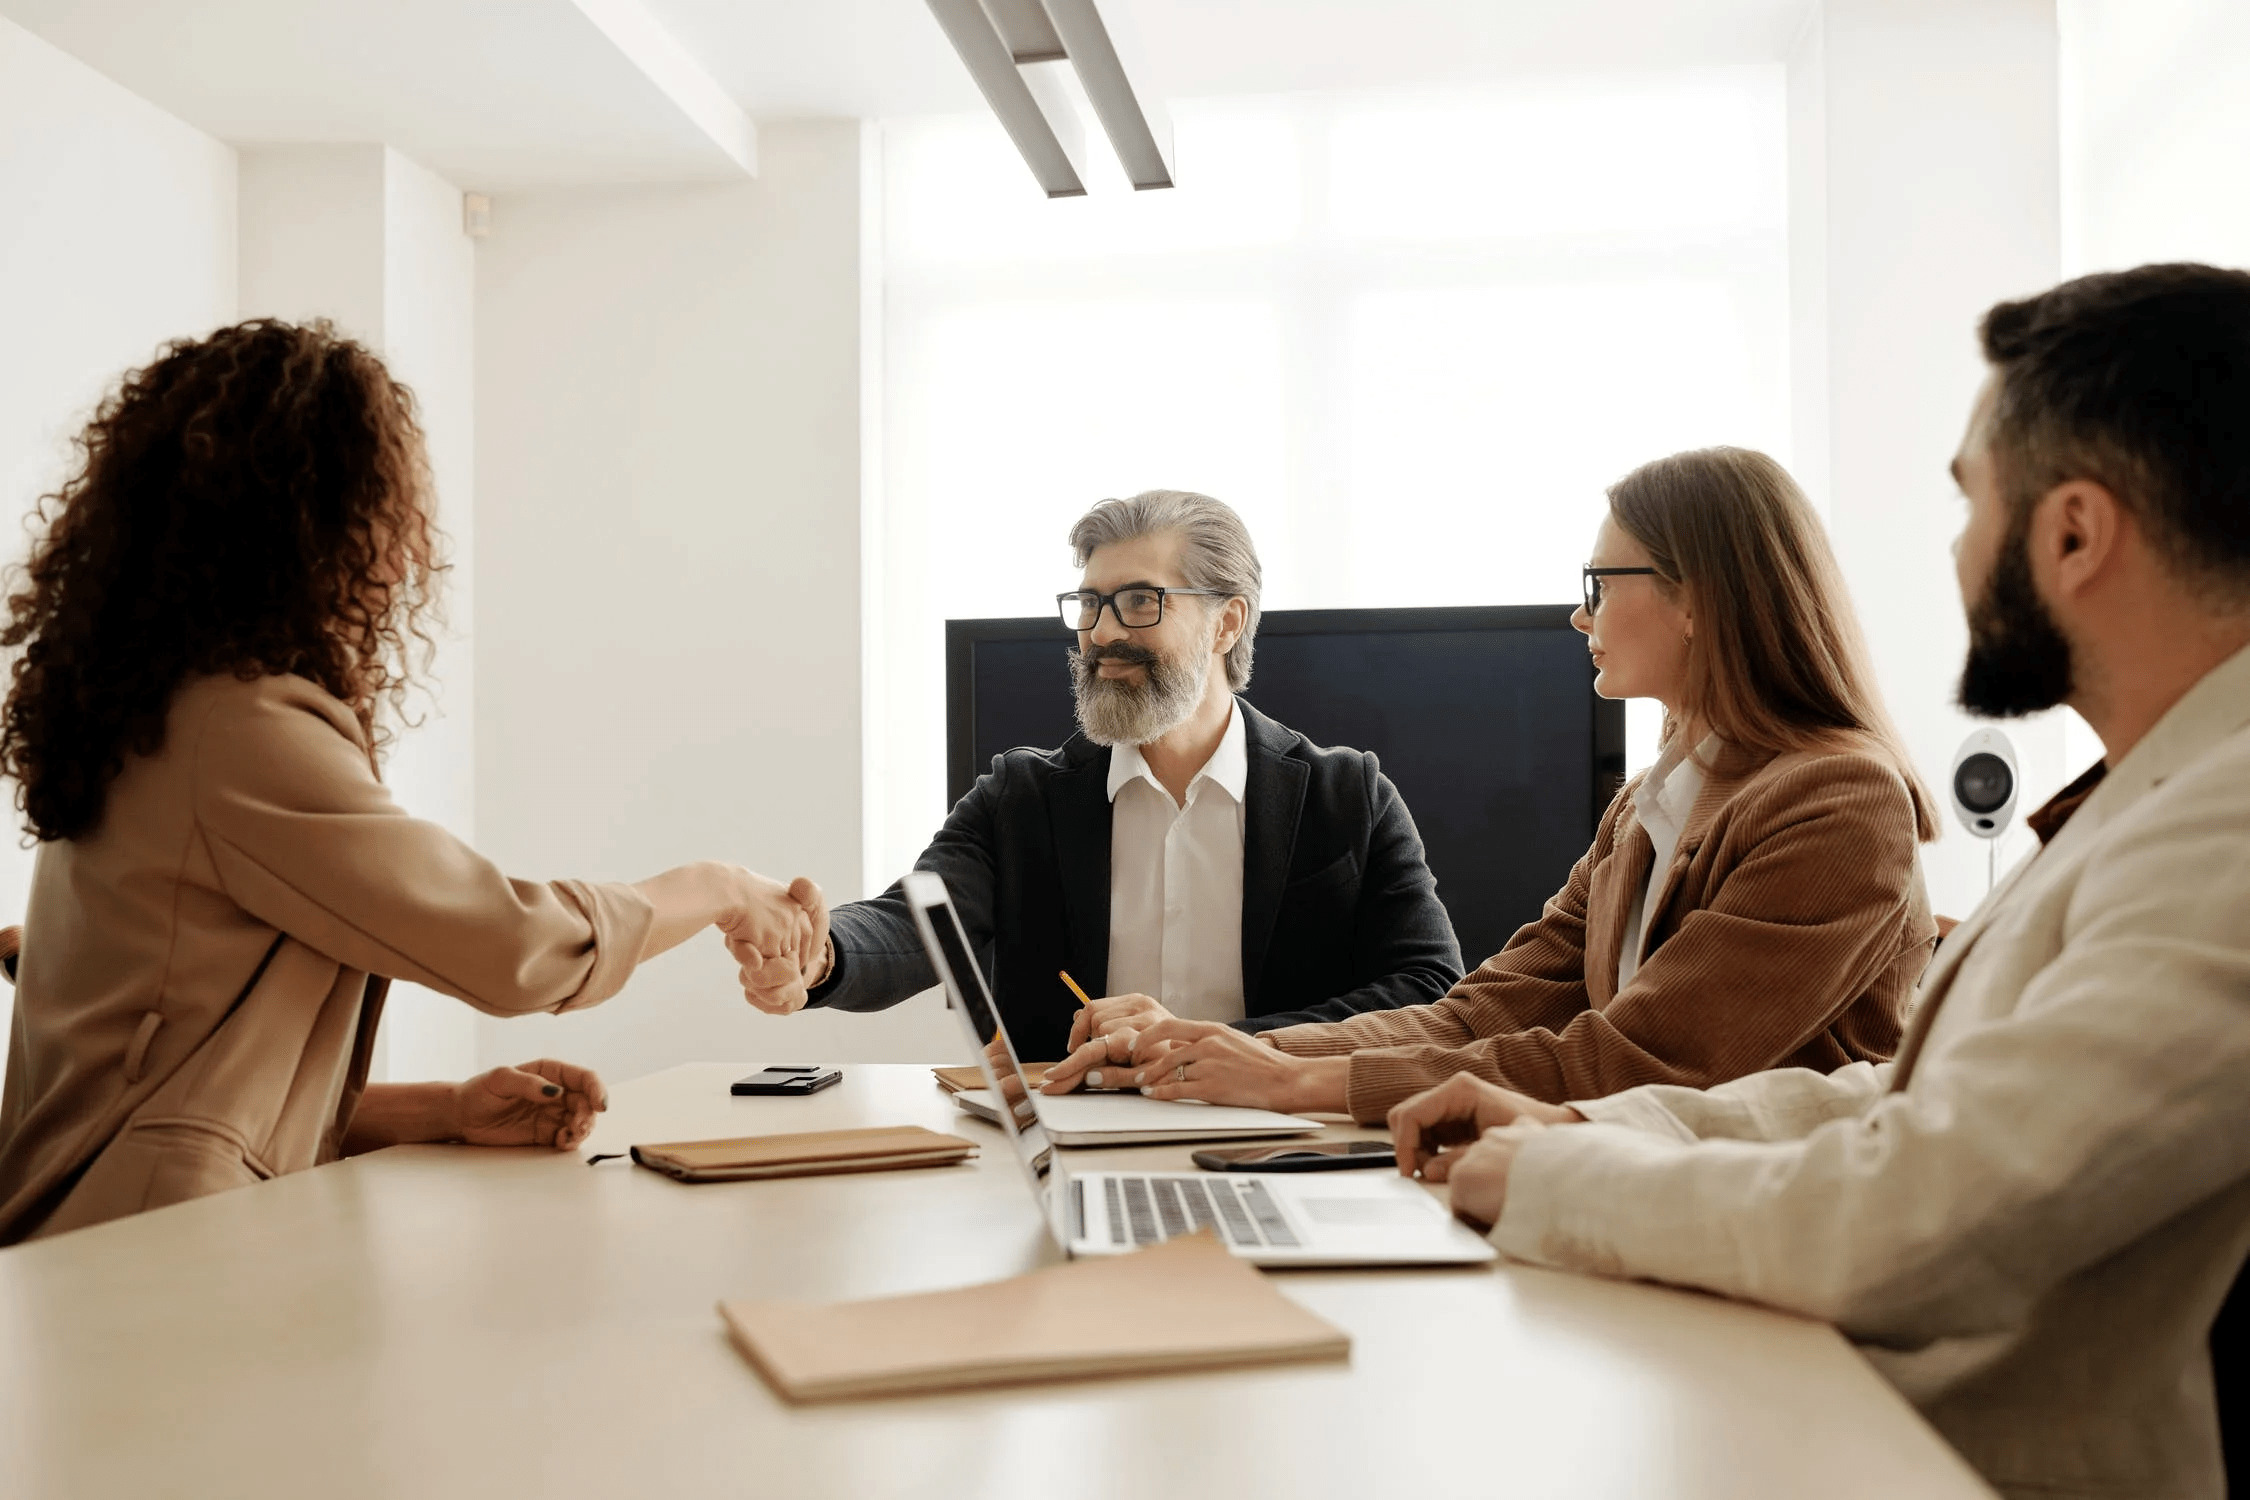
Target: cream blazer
[2031,1218]
[202,975]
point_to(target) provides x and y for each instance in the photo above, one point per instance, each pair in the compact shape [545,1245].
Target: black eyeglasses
[1137,606]
[1591,582]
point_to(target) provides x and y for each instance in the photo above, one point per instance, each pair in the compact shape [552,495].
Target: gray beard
[1116,712]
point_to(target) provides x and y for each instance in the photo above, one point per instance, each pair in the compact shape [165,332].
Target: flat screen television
[1485,718]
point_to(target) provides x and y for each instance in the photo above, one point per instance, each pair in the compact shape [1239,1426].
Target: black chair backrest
[2230,1380]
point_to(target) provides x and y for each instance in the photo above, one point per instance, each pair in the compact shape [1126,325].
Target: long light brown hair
[1776,662]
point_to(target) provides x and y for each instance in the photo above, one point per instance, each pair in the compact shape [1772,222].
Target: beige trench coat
[202,975]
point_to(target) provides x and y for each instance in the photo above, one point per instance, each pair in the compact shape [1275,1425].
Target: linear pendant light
[1137,127]
[1036,115]
[1008,45]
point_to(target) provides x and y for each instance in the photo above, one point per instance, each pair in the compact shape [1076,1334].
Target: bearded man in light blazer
[2032,1217]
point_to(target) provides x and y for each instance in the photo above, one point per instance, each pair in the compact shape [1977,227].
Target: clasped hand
[778,935]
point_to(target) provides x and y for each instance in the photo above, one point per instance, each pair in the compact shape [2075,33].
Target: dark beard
[2018,661]
[1132,713]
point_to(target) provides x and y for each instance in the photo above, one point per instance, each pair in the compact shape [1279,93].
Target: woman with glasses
[1751,901]
[214,627]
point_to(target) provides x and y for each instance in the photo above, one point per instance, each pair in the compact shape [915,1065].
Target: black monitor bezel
[963,636]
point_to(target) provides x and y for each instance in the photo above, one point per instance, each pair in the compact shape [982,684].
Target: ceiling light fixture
[1136,125]
[1009,46]
[1031,106]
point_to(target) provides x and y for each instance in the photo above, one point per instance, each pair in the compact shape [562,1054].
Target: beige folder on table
[961,1080]
[805,1154]
[1059,1323]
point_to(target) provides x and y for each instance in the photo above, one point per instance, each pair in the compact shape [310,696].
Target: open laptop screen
[957,970]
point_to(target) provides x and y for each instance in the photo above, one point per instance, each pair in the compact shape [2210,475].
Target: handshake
[779,935]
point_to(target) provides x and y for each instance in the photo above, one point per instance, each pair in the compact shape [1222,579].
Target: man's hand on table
[1113,1013]
[1102,1036]
[1466,1132]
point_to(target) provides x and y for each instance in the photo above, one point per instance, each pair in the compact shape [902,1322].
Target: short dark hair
[2139,380]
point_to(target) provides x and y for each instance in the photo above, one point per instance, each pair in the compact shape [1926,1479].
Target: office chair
[2230,1380]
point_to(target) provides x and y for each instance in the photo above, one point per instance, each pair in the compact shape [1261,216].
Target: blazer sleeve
[2024,1150]
[304,837]
[1819,895]
[1402,939]
[1781,1104]
[879,957]
[1539,979]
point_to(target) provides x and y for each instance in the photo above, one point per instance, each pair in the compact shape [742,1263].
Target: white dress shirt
[1175,882]
[1662,803]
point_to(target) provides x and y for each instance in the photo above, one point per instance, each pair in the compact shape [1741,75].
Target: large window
[1410,339]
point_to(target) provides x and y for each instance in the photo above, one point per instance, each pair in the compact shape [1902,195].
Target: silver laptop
[1332,1219]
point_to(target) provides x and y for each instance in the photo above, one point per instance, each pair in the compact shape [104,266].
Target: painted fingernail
[551,1090]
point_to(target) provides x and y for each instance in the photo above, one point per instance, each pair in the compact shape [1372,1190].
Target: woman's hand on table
[1114,1013]
[1103,1036]
[1093,1062]
[1218,1064]
[541,1103]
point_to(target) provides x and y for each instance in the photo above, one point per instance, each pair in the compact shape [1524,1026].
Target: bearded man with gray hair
[1182,854]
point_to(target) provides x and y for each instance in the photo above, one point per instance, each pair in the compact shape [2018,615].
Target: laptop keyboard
[1149,1210]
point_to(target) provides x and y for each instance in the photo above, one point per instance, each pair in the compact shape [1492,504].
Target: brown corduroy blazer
[203,973]
[1788,931]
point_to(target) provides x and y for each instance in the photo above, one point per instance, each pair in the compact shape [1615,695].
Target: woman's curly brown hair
[254,503]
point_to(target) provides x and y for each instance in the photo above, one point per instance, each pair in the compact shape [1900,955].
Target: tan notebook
[959,1080]
[806,1154]
[1059,1323]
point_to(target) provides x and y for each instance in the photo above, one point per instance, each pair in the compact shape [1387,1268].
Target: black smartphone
[1300,1156]
[788,1078]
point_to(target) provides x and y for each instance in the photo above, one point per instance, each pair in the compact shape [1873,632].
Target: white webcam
[1984,783]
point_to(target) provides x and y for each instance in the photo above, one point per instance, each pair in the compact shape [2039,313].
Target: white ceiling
[506,94]
[491,94]
[870,58]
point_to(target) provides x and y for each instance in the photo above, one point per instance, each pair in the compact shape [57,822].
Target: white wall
[429,341]
[2156,130]
[668,509]
[117,232]
[2155,138]
[371,240]
[1925,175]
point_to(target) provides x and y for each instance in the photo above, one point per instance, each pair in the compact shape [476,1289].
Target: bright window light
[1411,339]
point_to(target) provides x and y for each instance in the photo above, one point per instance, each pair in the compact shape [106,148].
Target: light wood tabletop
[449,1321]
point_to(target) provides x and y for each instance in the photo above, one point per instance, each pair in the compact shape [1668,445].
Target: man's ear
[2078,530]
[1234,618]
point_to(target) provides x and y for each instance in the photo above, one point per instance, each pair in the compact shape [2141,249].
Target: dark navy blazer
[1339,911]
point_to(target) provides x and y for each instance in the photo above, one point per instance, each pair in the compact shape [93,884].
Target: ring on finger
[1179,1074]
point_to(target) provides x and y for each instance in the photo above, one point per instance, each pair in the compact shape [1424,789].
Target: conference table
[435,1321]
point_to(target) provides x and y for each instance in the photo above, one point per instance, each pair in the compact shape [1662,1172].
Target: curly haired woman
[227,603]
